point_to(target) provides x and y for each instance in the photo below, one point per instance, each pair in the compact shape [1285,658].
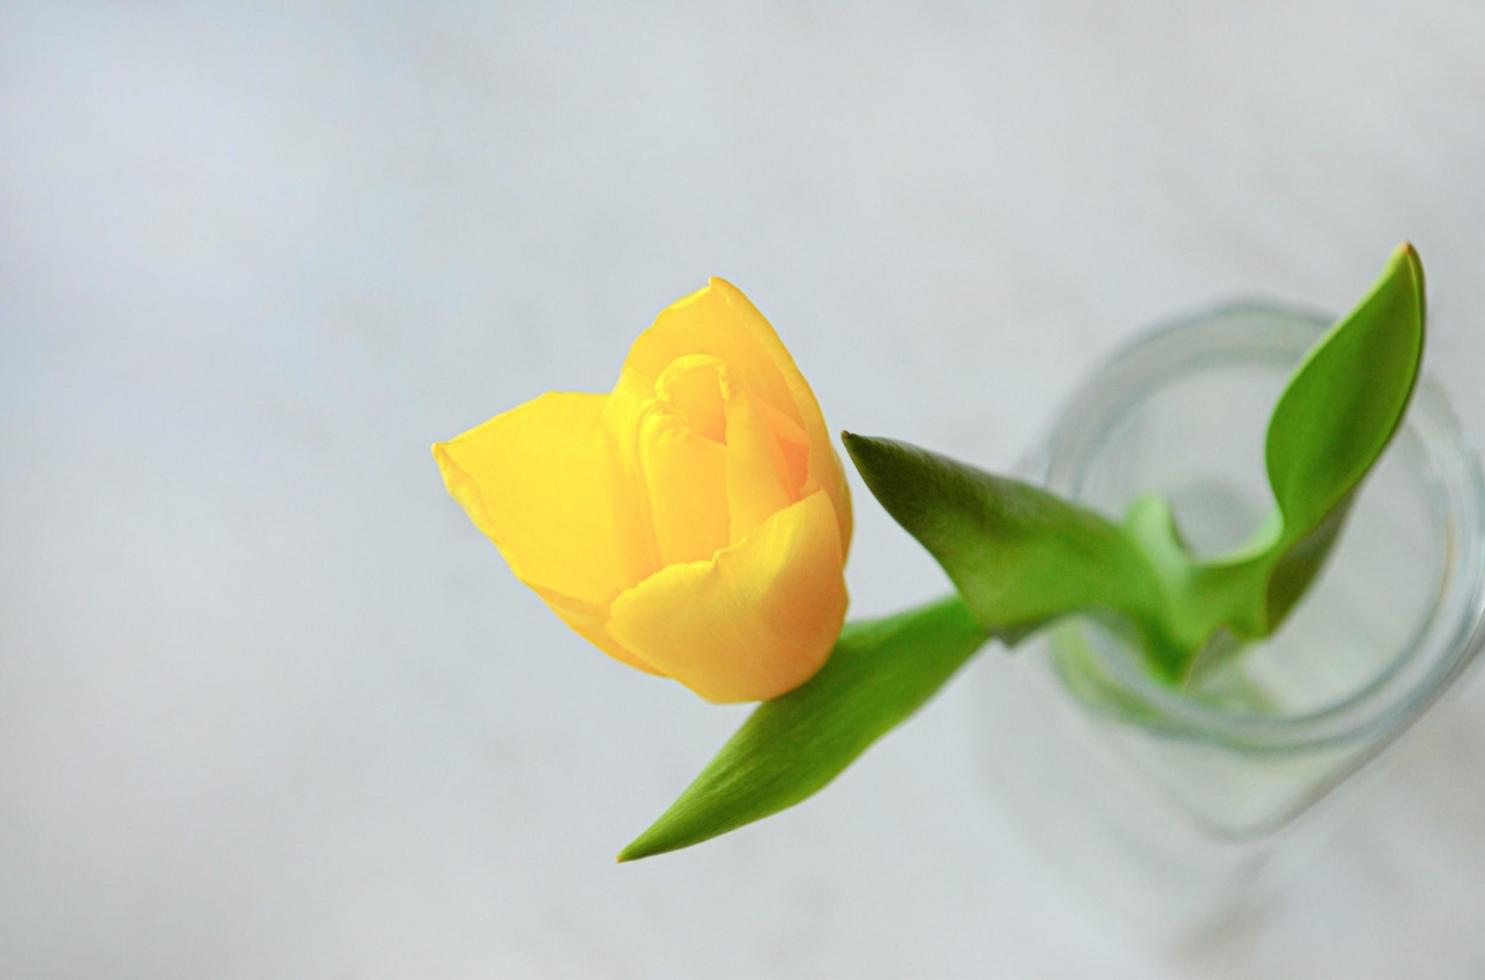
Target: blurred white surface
[269,706]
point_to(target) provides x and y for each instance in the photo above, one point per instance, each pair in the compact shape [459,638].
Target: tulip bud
[692,523]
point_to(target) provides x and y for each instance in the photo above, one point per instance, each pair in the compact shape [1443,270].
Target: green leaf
[1347,398]
[880,672]
[1019,555]
[1340,410]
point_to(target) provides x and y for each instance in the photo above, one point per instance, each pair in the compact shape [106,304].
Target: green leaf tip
[880,672]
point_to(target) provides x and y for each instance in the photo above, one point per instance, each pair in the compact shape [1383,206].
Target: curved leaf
[1018,554]
[880,672]
[1340,410]
[1346,398]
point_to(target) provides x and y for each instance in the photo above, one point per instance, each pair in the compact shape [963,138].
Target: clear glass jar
[1180,804]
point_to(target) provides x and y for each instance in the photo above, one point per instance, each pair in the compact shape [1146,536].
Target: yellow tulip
[694,522]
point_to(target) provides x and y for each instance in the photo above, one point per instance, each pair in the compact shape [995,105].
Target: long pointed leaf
[1338,413]
[1347,398]
[880,672]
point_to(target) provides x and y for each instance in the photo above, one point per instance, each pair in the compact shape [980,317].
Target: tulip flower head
[693,522]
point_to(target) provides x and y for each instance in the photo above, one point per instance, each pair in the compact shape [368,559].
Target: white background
[270,707]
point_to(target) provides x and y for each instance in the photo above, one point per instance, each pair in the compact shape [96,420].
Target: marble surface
[270,708]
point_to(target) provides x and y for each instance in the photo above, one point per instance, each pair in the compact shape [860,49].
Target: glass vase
[1180,804]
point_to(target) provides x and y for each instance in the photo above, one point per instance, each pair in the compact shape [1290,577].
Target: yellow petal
[754,622]
[674,478]
[758,483]
[794,444]
[688,489]
[712,322]
[720,321]
[695,388]
[538,481]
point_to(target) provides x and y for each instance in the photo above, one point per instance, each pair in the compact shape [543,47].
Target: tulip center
[695,388]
